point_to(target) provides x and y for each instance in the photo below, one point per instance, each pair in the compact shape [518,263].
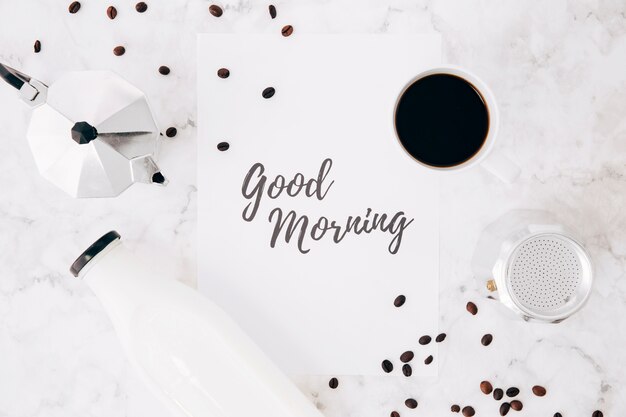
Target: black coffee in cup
[442,120]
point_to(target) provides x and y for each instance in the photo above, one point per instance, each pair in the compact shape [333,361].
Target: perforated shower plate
[549,276]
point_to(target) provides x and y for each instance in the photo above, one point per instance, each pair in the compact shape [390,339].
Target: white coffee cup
[488,158]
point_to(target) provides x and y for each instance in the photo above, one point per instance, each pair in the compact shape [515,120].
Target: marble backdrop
[557,69]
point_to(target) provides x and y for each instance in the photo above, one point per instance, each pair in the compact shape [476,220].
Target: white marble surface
[557,68]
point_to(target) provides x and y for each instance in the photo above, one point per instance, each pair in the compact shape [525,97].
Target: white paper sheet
[330,310]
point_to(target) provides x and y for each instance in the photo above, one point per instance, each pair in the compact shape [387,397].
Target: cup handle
[502,167]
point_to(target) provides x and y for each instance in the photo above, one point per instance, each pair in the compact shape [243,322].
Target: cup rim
[492,111]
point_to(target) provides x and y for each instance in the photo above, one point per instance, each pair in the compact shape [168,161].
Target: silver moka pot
[91,133]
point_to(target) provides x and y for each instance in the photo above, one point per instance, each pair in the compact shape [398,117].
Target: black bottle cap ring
[93,250]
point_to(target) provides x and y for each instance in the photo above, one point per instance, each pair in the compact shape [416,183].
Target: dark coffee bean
[504,408]
[74,7]
[37,46]
[486,387]
[428,360]
[424,340]
[171,132]
[111,12]
[558,415]
[468,411]
[163,70]
[272,11]
[440,337]
[399,301]
[395,414]
[486,339]
[287,30]
[471,307]
[517,405]
[498,394]
[455,408]
[407,370]
[407,356]
[410,402]
[597,413]
[512,392]
[223,73]
[539,391]
[333,383]
[268,92]
[216,10]
[387,366]
[223,146]
[141,7]
[119,51]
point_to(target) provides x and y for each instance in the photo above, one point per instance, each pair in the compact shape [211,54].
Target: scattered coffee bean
[223,146]
[407,370]
[468,411]
[223,73]
[387,366]
[471,307]
[333,383]
[119,51]
[498,394]
[399,301]
[424,340]
[74,7]
[287,30]
[558,415]
[455,408]
[597,413]
[440,337]
[512,392]
[539,391]
[215,10]
[486,339]
[395,414]
[428,360]
[268,92]
[486,387]
[517,405]
[272,9]
[504,408]
[111,12]
[141,7]
[407,356]
[411,403]
[163,70]
[37,46]
[171,132]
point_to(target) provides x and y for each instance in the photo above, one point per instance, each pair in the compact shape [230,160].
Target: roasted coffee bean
[517,405]
[455,408]
[468,411]
[74,7]
[504,408]
[539,391]
[410,402]
[171,132]
[223,146]
[272,11]
[512,392]
[407,356]
[440,337]
[268,92]
[163,70]
[395,414]
[387,366]
[498,394]
[597,413]
[333,383]
[216,10]
[111,12]
[399,301]
[37,46]
[287,30]
[424,340]
[558,415]
[428,360]
[486,339]
[119,51]
[223,73]
[486,387]
[407,370]
[141,7]
[472,308]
